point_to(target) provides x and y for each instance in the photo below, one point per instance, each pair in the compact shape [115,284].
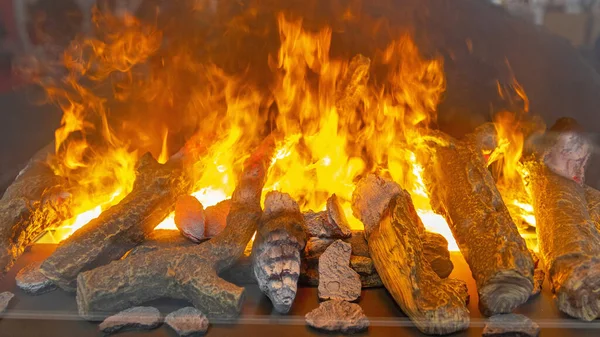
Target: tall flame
[336,122]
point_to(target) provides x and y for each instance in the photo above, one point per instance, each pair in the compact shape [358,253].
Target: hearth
[219,157]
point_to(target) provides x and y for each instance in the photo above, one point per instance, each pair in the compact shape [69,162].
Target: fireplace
[378,167]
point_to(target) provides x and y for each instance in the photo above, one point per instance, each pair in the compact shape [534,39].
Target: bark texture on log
[162,239]
[592,196]
[121,227]
[462,189]
[30,205]
[189,273]
[435,305]
[276,252]
[568,239]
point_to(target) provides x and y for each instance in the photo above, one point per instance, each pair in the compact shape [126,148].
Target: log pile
[121,227]
[189,273]
[394,234]
[36,200]
[462,188]
[276,252]
[568,238]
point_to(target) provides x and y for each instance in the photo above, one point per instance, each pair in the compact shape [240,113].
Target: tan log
[435,305]
[462,189]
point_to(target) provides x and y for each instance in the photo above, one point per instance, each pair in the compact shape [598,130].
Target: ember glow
[334,122]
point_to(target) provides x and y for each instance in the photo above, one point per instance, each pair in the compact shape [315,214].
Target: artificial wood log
[435,251]
[331,223]
[184,273]
[592,197]
[462,188]
[121,227]
[36,200]
[435,305]
[276,252]
[568,239]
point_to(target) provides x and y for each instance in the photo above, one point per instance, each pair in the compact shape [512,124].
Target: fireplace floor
[55,313]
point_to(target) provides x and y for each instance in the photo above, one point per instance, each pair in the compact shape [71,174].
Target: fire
[336,118]
[512,126]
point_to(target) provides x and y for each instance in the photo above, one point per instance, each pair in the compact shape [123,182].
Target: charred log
[183,273]
[435,305]
[121,227]
[568,239]
[33,203]
[462,189]
[277,250]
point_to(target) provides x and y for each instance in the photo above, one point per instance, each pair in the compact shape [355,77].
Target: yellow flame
[164,152]
[326,145]
[511,126]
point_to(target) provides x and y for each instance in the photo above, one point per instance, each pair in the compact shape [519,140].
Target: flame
[512,128]
[336,122]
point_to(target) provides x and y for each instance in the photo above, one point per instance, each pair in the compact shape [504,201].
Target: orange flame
[337,123]
[511,126]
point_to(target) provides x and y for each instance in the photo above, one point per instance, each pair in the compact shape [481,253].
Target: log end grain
[504,292]
[576,285]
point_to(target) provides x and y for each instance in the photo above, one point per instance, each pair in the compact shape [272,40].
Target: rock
[338,316]
[162,239]
[216,218]
[337,281]
[190,218]
[145,318]
[510,325]
[5,299]
[32,281]
[331,223]
[188,322]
